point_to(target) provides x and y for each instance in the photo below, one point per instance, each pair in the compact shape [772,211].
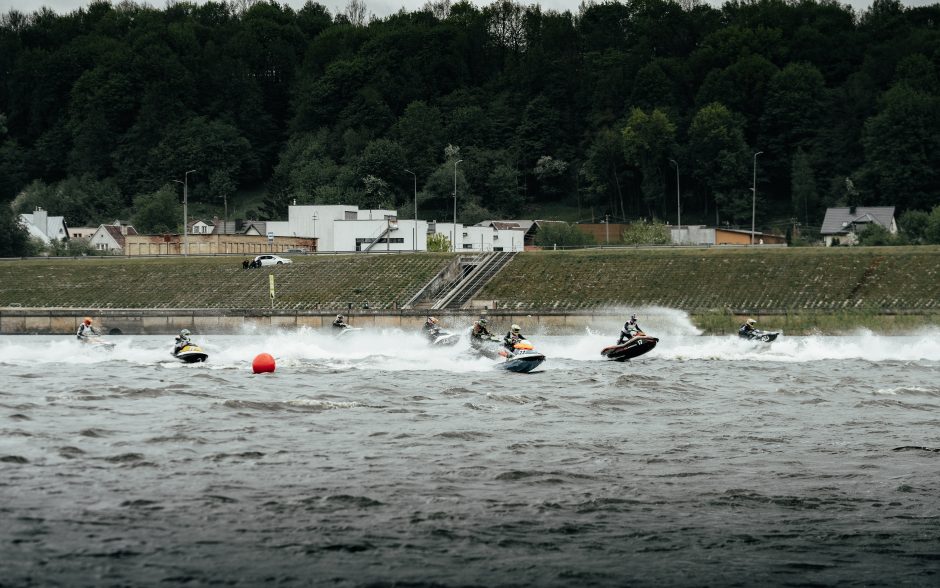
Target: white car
[263,260]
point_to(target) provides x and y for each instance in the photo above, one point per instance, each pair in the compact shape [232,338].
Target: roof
[502,225]
[117,234]
[840,220]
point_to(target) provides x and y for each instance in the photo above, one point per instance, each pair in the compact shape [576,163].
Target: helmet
[751,321]
[339,317]
[185,333]
[482,321]
[432,320]
[633,317]
[87,321]
[516,329]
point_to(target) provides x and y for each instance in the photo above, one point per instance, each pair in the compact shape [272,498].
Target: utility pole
[416,208]
[454,243]
[754,196]
[185,183]
[678,204]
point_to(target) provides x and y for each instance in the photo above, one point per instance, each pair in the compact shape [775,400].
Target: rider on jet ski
[513,336]
[748,328]
[340,322]
[182,341]
[629,330]
[86,331]
[431,328]
[479,330]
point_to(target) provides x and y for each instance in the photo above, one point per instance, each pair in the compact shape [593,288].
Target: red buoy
[263,363]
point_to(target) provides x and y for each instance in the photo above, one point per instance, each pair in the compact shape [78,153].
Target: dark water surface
[708,462]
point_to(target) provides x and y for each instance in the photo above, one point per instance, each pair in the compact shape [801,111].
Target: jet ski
[442,338]
[757,335]
[191,353]
[346,331]
[97,342]
[636,346]
[523,358]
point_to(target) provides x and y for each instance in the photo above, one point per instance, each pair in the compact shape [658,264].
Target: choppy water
[710,461]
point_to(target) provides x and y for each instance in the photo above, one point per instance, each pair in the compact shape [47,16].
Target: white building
[346,228]
[110,238]
[44,227]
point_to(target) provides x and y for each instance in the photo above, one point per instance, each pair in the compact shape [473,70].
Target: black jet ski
[191,353]
[757,335]
[442,338]
[634,347]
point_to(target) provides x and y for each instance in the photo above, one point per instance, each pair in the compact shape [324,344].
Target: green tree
[14,239]
[716,138]
[159,212]
[648,140]
[438,242]
[913,224]
[803,187]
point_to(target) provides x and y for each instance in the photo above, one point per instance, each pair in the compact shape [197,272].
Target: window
[497,248]
[468,245]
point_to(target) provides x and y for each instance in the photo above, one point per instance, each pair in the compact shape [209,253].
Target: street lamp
[754,196]
[678,205]
[454,242]
[416,208]
[185,183]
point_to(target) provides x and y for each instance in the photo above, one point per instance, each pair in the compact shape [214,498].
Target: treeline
[606,110]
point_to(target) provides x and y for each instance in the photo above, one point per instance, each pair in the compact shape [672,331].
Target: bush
[644,233]
[562,235]
[438,242]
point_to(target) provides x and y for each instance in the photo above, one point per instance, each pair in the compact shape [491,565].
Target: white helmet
[185,333]
[516,329]
[751,321]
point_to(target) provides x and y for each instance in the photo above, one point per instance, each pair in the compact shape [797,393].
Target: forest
[624,110]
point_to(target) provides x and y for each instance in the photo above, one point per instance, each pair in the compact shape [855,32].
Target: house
[44,227]
[702,235]
[529,227]
[111,238]
[841,226]
[200,227]
[81,232]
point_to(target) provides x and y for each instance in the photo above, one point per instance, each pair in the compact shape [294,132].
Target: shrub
[562,235]
[644,233]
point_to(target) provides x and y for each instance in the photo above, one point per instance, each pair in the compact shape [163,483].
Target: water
[710,461]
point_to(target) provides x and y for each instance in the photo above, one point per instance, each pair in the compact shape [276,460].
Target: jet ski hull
[95,343]
[522,362]
[762,336]
[191,354]
[635,347]
[443,339]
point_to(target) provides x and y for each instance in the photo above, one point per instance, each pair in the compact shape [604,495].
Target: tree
[438,242]
[14,239]
[803,187]
[647,141]
[913,224]
[716,137]
[158,212]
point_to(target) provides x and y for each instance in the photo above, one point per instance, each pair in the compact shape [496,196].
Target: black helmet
[482,321]
[633,318]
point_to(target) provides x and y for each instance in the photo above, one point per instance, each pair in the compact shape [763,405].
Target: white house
[110,238]
[44,227]
[201,227]
[482,239]
[845,224]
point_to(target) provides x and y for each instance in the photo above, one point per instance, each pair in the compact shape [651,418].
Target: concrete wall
[23,321]
[212,244]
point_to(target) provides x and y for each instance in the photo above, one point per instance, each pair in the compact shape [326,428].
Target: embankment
[799,289]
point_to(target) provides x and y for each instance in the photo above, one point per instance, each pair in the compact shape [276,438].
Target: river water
[374,460]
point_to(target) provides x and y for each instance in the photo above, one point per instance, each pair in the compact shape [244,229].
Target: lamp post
[454,241]
[754,196]
[185,183]
[678,205]
[416,208]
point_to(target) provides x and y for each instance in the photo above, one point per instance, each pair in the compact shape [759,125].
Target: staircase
[487,265]
[388,229]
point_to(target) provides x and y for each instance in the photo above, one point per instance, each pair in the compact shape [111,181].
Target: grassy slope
[864,279]
[310,283]
[702,281]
